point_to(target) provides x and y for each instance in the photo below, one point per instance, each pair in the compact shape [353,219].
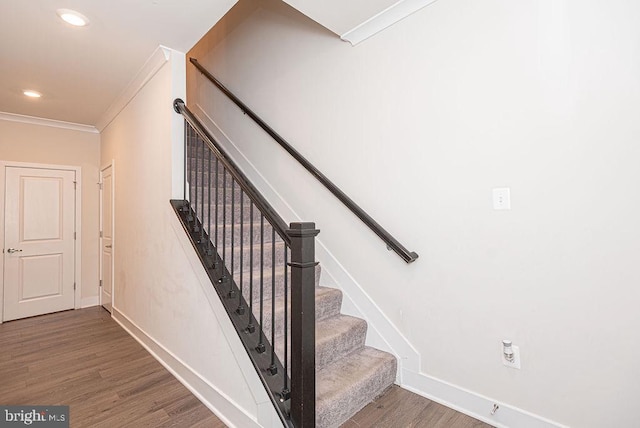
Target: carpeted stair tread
[328,301]
[227,196]
[338,336]
[246,257]
[246,212]
[267,290]
[350,383]
[246,236]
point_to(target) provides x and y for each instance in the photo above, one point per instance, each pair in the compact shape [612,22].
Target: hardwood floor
[401,408]
[85,360]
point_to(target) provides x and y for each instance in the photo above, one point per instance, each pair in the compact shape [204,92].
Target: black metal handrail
[272,216]
[392,243]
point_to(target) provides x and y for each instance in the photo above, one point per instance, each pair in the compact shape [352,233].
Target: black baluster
[185,207]
[261,348]
[189,215]
[217,220]
[223,241]
[209,252]
[231,293]
[202,192]
[285,388]
[250,327]
[272,368]
[194,227]
[240,310]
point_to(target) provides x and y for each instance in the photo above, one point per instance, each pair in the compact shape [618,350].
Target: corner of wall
[157,59]
[384,19]
[178,90]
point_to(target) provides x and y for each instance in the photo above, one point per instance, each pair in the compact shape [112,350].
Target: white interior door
[39,247]
[106,251]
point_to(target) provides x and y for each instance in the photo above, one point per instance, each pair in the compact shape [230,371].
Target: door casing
[78,223]
[113,238]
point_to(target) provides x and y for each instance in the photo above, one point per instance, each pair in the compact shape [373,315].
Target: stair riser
[233,233]
[224,195]
[243,215]
[267,288]
[249,264]
[225,212]
[336,348]
[224,180]
[335,405]
[192,176]
[325,304]
[327,352]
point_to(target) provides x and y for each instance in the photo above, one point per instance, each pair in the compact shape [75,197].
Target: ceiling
[81,71]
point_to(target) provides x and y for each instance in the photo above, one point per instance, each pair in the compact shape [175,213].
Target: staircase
[247,262]
[349,375]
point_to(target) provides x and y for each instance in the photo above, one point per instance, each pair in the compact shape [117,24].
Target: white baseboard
[473,404]
[87,302]
[220,404]
[382,333]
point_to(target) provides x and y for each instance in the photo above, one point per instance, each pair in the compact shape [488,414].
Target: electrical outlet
[515,360]
[502,198]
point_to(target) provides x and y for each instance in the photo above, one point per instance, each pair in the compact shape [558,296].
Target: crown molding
[41,121]
[157,59]
[384,19]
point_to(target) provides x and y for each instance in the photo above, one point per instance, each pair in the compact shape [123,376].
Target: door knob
[13,250]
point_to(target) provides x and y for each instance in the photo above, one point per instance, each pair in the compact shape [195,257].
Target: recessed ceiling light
[32,94]
[72,17]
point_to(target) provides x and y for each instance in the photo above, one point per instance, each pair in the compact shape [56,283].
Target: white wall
[160,290]
[418,124]
[27,142]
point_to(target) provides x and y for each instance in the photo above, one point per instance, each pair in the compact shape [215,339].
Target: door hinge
[75,185]
[74,286]
[100,185]
[74,236]
[101,234]
[100,283]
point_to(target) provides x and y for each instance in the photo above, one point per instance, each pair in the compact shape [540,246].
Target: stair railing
[257,264]
[392,243]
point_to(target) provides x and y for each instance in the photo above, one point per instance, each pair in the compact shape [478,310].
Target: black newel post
[303,324]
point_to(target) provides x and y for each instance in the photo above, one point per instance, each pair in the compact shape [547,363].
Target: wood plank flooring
[85,360]
[401,408]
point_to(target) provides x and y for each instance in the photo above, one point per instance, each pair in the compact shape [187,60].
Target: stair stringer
[265,414]
[382,333]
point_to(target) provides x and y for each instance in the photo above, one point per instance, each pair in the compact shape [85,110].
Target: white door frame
[78,223]
[111,164]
